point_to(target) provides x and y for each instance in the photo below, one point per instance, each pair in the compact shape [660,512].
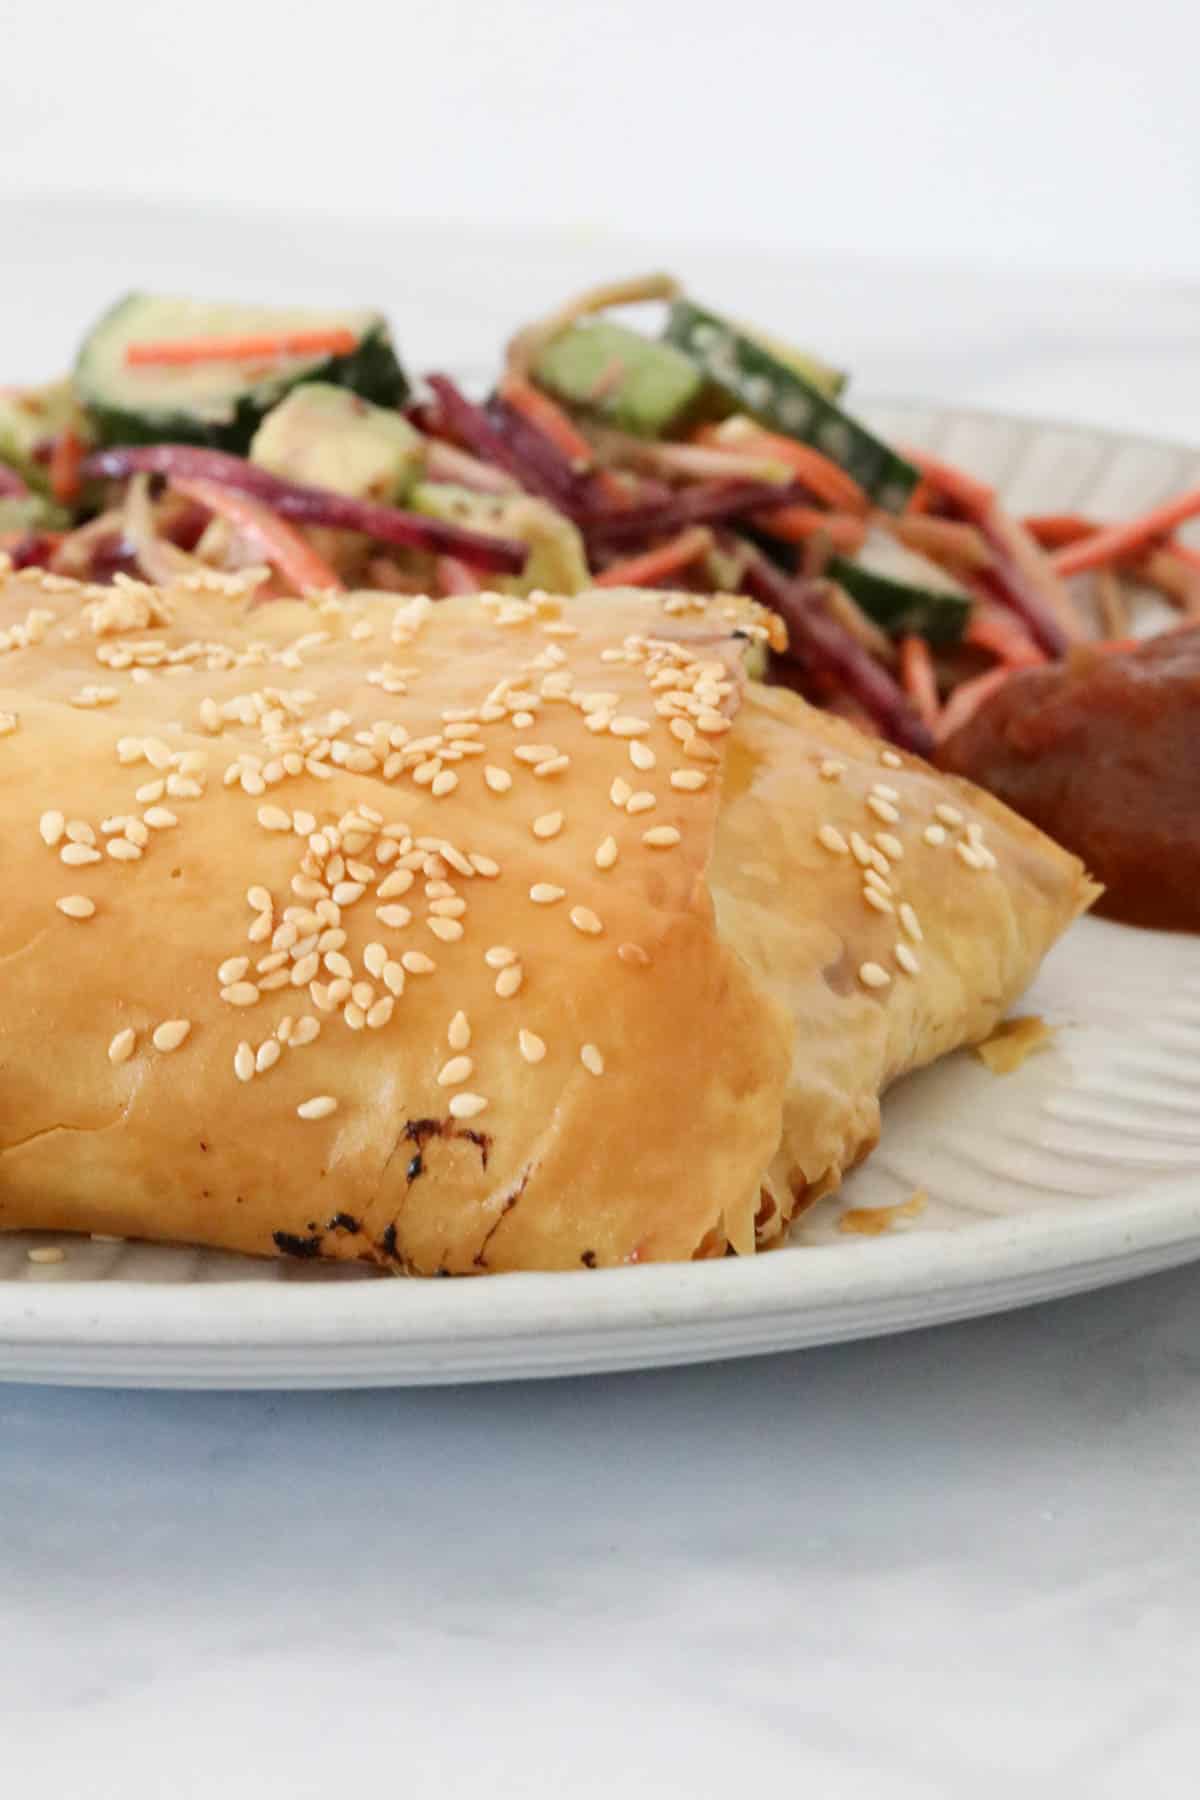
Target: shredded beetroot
[11,485]
[825,647]
[573,491]
[34,550]
[311,505]
[704,503]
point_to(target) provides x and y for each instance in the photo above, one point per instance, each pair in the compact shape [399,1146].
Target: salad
[697,454]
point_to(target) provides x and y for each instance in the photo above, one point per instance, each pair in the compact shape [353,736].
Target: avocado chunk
[329,437]
[636,383]
[903,591]
[557,561]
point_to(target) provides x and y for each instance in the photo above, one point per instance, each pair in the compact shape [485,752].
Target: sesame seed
[627,726]
[879,901]
[890,760]
[305,968]
[443,783]
[499,780]
[873,975]
[375,959]
[499,956]
[398,882]
[393,977]
[690,781]
[934,835]
[949,815]
[544,893]
[394,916]
[136,832]
[76,856]
[634,955]
[661,837]
[975,833]
[171,1033]
[448,930]
[970,854]
[509,981]
[415,962]
[890,846]
[458,1032]
[337,964]
[585,920]
[885,792]
[831,769]
[832,839]
[319,1107]
[121,1048]
[273,818]
[380,1012]
[860,849]
[484,865]
[363,994]
[149,791]
[907,960]
[620,791]
[467,1106]
[532,1047]
[548,825]
[240,993]
[641,755]
[453,906]
[76,906]
[159,818]
[640,803]
[51,825]
[883,809]
[454,1072]
[243,1062]
[259,899]
[232,969]
[303,1032]
[553,765]
[121,850]
[354,1016]
[591,1059]
[606,853]
[874,879]
[46,1253]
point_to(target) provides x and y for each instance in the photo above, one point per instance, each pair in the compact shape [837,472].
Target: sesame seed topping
[448,930]
[544,893]
[443,783]
[690,781]
[832,839]
[232,969]
[121,1048]
[620,791]
[46,1253]
[883,809]
[499,956]
[890,760]
[640,802]
[874,879]
[606,853]
[874,975]
[585,920]
[949,815]
[76,906]
[486,866]
[879,901]
[661,837]
[548,825]
[860,849]
[268,1054]
[273,818]
[553,765]
[398,882]
[910,923]
[532,1047]
[907,960]
[509,981]
[380,1012]
[259,899]
[121,850]
[499,780]
[337,964]
[417,963]
[319,1107]
[353,1015]
[454,1072]
[627,726]
[159,818]
[831,769]
[170,1034]
[243,1062]
[591,1059]
[240,993]
[52,826]
[393,977]
[394,916]
[970,854]
[641,755]
[934,835]
[885,792]
[634,955]
[77,855]
[467,1106]
[458,1032]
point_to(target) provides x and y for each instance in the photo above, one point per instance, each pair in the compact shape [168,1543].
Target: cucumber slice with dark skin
[775,392]
[218,404]
[638,383]
[903,592]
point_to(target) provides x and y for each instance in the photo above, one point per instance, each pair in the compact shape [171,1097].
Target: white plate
[1081,1169]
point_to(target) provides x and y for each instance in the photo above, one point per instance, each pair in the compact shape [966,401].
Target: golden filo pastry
[484,934]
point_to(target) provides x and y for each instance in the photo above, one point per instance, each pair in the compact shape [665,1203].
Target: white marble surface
[951,1564]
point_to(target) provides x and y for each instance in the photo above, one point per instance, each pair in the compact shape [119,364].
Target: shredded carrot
[819,474]
[282,545]
[1054,531]
[1174,576]
[1002,636]
[973,496]
[797,524]
[919,501]
[918,678]
[655,565]
[65,460]
[1117,542]
[550,419]
[946,540]
[966,700]
[337,340]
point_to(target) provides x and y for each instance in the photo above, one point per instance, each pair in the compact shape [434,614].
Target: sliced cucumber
[776,393]
[30,418]
[557,559]
[31,512]
[328,437]
[822,375]
[904,592]
[637,383]
[218,403]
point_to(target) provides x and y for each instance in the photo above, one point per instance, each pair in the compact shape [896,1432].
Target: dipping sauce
[1103,752]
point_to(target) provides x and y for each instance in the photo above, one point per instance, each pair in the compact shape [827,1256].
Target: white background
[1015,132]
